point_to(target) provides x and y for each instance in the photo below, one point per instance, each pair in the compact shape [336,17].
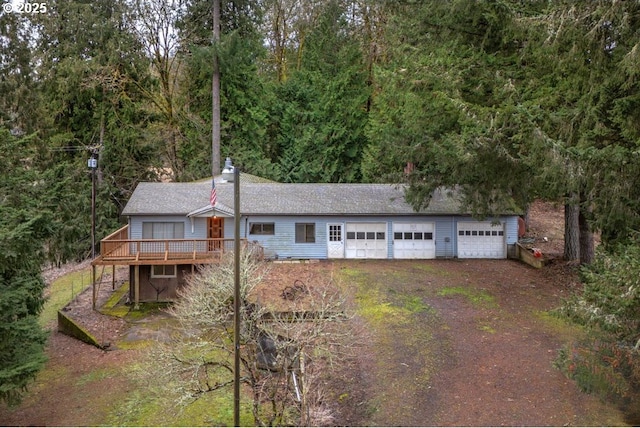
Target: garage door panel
[481,240]
[366,240]
[414,241]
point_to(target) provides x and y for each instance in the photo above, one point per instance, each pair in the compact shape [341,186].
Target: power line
[93,149]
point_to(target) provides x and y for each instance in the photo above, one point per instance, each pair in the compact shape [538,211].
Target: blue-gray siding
[282,243]
[445,237]
[192,230]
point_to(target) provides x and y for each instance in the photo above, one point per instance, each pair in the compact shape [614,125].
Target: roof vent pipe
[227,172]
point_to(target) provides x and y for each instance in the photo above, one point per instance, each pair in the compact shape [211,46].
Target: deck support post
[136,287]
[94,295]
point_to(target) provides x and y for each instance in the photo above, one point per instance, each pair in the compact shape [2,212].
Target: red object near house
[522,227]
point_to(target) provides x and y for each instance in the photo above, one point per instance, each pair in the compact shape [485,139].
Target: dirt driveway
[445,343]
[476,350]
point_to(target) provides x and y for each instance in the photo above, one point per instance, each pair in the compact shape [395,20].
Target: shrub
[609,306]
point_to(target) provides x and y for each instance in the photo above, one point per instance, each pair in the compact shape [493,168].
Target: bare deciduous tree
[155,22]
[286,356]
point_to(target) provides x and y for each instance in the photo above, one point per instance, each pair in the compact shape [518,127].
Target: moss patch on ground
[410,302]
[148,407]
[480,298]
[399,318]
[145,310]
[567,330]
[95,376]
[114,306]
[373,306]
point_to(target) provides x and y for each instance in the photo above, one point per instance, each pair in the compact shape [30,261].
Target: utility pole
[236,298]
[93,165]
[215,170]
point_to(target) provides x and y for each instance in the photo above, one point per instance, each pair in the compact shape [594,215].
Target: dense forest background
[509,100]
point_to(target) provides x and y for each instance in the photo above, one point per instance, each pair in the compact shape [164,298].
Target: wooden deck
[116,249]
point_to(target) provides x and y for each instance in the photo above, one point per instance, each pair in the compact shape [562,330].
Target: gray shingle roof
[283,199]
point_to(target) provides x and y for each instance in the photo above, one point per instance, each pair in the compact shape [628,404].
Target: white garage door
[414,241]
[481,240]
[366,241]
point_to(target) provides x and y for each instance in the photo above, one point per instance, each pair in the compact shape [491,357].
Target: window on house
[305,232]
[335,233]
[163,271]
[162,230]
[262,228]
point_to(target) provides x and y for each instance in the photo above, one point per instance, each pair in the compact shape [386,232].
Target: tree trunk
[587,249]
[215,92]
[571,232]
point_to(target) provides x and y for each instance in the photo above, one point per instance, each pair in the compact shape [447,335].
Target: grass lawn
[61,292]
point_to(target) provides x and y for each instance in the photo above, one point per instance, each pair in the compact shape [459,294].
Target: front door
[335,243]
[215,230]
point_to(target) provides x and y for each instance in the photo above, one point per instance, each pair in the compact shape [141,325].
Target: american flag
[214,197]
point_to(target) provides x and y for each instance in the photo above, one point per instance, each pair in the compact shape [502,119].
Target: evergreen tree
[244,94]
[583,83]
[23,227]
[244,100]
[18,101]
[448,104]
[512,102]
[93,77]
[322,108]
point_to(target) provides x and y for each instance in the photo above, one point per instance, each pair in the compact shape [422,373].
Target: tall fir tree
[322,107]
[23,227]
[93,77]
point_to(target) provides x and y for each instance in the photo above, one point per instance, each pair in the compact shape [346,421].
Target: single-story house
[172,228]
